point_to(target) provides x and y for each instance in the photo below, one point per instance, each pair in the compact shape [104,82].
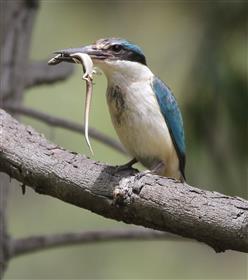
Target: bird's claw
[126,166]
[142,174]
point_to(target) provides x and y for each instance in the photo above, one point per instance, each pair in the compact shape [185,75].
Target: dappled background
[200,50]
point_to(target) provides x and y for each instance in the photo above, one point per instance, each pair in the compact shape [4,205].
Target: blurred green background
[200,49]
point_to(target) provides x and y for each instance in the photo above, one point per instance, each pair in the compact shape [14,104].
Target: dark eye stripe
[116,47]
[122,50]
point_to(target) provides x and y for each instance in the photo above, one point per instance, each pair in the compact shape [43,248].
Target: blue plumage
[122,42]
[173,118]
[150,128]
[132,47]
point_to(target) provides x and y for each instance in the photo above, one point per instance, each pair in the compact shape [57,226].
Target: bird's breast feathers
[138,121]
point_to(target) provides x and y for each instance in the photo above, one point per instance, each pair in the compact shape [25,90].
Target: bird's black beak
[91,50]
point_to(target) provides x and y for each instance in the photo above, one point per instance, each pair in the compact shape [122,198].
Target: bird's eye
[116,48]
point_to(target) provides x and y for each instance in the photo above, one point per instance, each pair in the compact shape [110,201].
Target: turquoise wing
[172,115]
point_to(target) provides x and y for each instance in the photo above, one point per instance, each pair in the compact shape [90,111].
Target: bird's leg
[127,165]
[156,169]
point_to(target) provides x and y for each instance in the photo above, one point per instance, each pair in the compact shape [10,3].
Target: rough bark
[17,19]
[16,23]
[156,202]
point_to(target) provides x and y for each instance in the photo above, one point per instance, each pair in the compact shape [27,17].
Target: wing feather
[172,115]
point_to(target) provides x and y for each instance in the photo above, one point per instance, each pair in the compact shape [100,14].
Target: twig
[63,123]
[40,73]
[31,244]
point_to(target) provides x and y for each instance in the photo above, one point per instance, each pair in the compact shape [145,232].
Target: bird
[143,109]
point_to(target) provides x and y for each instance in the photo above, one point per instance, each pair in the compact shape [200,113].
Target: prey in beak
[100,53]
[91,50]
[80,56]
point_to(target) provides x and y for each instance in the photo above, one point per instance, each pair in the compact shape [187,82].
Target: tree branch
[42,242]
[16,24]
[156,202]
[63,123]
[40,73]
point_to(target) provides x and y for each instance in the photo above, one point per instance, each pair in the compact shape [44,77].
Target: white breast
[137,118]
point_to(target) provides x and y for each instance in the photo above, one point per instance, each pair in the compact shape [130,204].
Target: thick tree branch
[42,242]
[63,123]
[40,73]
[218,220]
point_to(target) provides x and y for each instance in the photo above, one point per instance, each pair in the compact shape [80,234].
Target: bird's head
[112,55]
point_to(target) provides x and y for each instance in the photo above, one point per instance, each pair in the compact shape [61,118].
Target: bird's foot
[143,173]
[127,165]
[156,169]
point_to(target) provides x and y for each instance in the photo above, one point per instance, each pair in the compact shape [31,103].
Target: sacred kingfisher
[143,109]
